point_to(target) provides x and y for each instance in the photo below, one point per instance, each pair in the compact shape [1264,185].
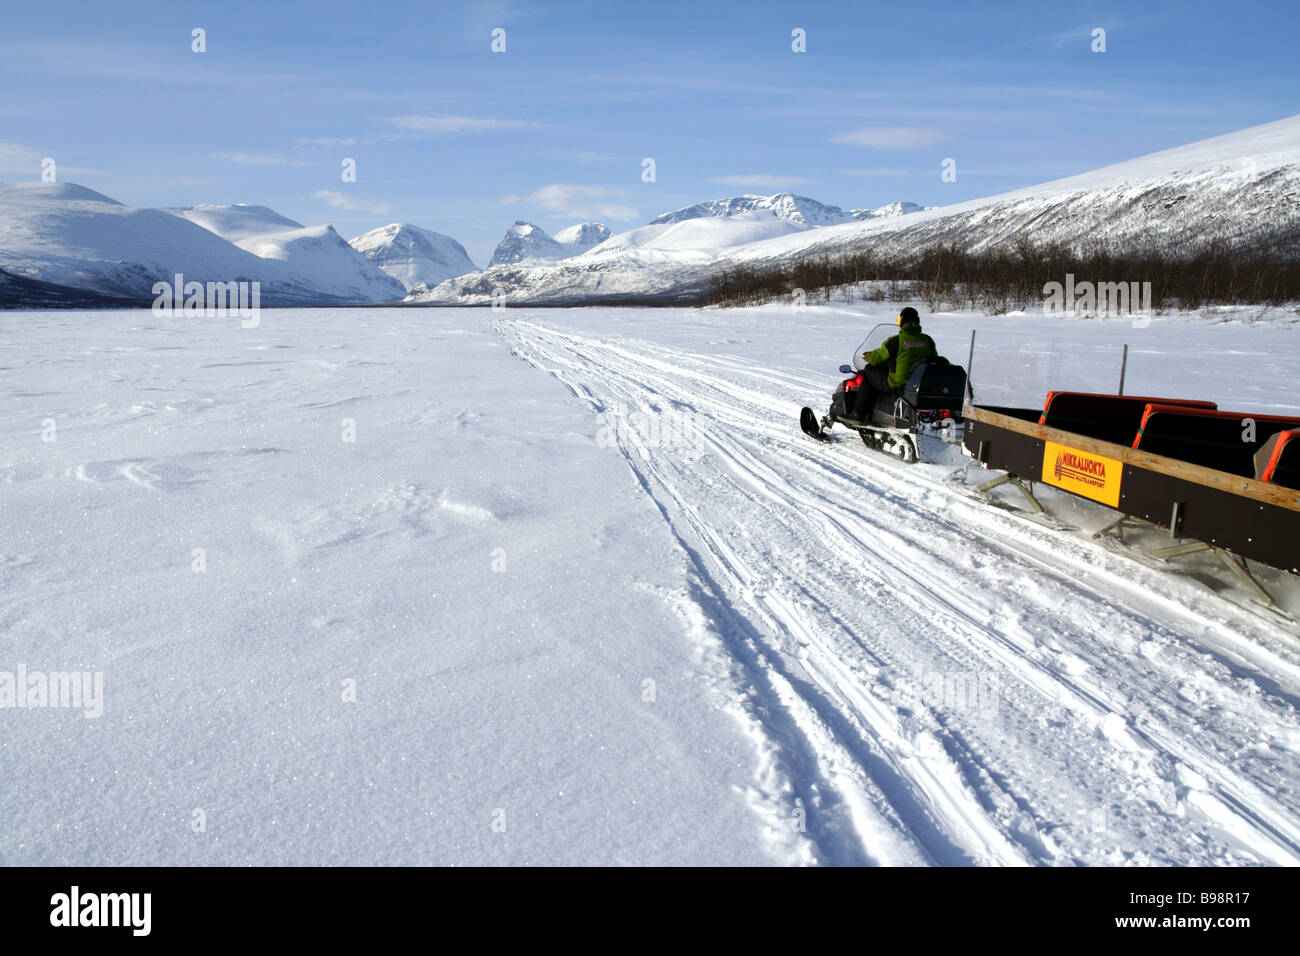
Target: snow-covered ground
[598,601]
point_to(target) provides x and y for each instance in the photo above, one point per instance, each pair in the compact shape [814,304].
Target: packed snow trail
[944,682]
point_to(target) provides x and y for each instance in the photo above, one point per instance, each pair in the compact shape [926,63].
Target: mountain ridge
[1241,188]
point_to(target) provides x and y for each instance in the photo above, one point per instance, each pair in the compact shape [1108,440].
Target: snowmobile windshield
[874,340]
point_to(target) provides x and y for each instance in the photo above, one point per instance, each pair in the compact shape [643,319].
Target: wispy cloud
[456,125]
[124,60]
[327,141]
[16,159]
[19,159]
[416,126]
[878,171]
[761,181]
[890,137]
[586,156]
[1081,35]
[260,159]
[582,202]
[351,203]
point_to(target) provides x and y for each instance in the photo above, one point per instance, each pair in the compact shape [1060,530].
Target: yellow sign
[1083,473]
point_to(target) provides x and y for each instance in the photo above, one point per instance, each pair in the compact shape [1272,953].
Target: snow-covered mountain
[695,240]
[72,236]
[635,263]
[320,250]
[68,234]
[1242,188]
[235,221]
[787,206]
[888,211]
[414,256]
[524,241]
[653,262]
[583,236]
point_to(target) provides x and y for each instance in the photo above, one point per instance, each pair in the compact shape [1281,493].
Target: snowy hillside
[694,240]
[526,243]
[786,206]
[23,292]
[888,211]
[643,263]
[235,221]
[414,256]
[320,252]
[1242,188]
[581,237]
[69,235]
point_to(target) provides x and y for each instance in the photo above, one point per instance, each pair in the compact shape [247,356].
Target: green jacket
[903,353]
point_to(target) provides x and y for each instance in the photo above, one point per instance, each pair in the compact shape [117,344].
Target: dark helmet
[909,316]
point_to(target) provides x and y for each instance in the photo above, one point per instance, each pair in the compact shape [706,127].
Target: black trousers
[875,381]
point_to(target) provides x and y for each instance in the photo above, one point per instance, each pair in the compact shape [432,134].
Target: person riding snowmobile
[890,366]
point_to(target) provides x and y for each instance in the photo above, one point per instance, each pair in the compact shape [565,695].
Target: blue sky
[448,135]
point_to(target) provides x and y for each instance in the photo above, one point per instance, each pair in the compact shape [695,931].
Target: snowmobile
[929,405]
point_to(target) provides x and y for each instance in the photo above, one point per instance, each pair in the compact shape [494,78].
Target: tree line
[1007,278]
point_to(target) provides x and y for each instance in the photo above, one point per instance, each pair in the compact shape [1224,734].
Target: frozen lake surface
[568,586]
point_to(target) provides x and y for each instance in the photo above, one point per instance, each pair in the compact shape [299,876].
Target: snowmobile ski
[811,427]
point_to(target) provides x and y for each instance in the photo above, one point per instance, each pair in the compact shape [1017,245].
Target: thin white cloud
[586,156]
[582,202]
[328,141]
[509,200]
[874,171]
[258,159]
[455,125]
[890,137]
[19,160]
[351,203]
[761,181]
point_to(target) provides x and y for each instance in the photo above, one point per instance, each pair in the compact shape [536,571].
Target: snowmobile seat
[1278,459]
[1112,418]
[1214,439]
[936,385]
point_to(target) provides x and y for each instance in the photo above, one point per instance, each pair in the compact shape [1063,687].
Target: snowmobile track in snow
[1130,717]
